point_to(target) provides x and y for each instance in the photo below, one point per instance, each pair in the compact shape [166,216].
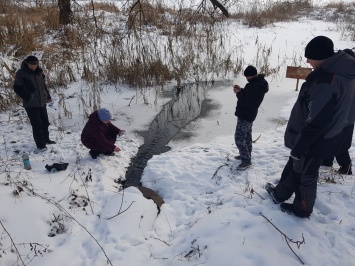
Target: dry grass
[342,14]
[101,6]
[24,28]
[273,12]
[338,6]
[141,45]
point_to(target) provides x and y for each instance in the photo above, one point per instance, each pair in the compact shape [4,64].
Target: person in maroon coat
[99,134]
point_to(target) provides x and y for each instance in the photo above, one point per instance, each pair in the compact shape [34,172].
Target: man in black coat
[249,100]
[344,159]
[323,114]
[31,87]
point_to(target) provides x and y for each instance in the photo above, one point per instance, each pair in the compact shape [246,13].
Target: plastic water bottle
[26,161]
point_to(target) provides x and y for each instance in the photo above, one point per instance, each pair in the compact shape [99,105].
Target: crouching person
[99,134]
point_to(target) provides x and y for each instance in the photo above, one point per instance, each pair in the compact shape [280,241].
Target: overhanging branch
[217,4]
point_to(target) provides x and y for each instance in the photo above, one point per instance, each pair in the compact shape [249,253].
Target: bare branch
[71,217]
[256,139]
[13,243]
[119,211]
[252,191]
[217,4]
[215,173]
[298,243]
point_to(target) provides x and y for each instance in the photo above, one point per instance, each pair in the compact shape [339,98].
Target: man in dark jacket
[344,159]
[249,100]
[99,134]
[31,87]
[323,114]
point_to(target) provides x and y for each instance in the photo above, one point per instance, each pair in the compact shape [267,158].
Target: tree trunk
[64,12]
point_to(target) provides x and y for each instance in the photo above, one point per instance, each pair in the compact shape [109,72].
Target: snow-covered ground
[212,215]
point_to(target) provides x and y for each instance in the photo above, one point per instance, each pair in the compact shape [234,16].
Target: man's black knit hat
[32,60]
[250,71]
[319,48]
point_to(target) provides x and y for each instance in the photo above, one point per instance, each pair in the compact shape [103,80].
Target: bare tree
[64,12]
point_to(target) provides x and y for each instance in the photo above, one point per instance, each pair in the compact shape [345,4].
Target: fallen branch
[252,191]
[76,169]
[131,100]
[119,211]
[298,243]
[13,243]
[31,191]
[162,241]
[215,173]
[256,139]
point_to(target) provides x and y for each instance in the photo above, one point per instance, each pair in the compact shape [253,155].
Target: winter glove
[121,133]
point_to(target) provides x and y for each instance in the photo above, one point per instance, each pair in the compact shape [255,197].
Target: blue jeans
[243,139]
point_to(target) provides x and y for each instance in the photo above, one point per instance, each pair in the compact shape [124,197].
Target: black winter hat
[319,48]
[250,71]
[32,60]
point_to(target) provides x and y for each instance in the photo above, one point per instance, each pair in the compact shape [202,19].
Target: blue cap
[104,114]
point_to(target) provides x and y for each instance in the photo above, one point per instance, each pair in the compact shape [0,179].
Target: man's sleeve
[321,106]
[114,129]
[245,96]
[19,87]
[101,140]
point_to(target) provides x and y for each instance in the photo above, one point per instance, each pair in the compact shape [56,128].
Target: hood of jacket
[341,63]
[94,117]
[260,78]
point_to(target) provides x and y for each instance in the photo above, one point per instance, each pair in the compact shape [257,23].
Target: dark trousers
[243,139]
[343,160]
[287,169]
[301,180]
[39,121]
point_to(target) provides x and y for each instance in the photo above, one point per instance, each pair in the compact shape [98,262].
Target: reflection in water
[174,116]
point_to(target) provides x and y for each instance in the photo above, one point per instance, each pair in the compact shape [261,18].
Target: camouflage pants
[243,139]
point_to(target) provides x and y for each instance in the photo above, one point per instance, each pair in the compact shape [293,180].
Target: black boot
[94,154]
[109,153]
[270,188]
[345,170]
[288,208]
